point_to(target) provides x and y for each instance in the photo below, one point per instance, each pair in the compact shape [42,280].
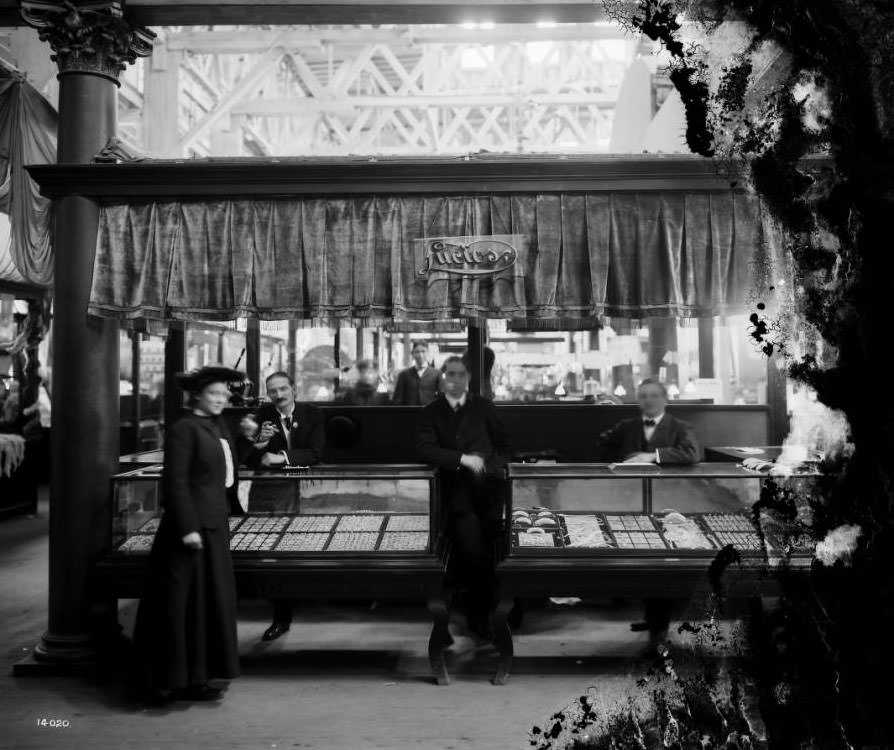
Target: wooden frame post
[85,429]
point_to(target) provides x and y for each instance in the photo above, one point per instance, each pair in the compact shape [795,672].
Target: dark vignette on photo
[819,665]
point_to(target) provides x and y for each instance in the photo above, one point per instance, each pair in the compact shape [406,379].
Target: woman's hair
[193,393]
[198,380]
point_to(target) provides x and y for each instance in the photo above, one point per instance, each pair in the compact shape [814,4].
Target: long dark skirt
[185,633]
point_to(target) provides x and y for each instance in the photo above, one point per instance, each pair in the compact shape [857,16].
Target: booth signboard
[470,255]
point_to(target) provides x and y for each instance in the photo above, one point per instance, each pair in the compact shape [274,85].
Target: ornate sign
[470,255]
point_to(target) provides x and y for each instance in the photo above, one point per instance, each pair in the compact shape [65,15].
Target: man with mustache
[290,434]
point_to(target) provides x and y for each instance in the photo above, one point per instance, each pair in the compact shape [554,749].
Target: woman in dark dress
[185,633]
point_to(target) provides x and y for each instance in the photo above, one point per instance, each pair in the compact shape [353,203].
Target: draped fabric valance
[621,254]
[27,136]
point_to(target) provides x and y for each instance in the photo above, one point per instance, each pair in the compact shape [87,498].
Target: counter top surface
[319,471]
[633,471]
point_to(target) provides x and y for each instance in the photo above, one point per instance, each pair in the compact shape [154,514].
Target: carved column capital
[90,37]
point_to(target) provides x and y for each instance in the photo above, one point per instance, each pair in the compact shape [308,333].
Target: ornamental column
[91,46]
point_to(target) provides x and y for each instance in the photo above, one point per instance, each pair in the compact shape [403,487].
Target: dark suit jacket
[411,390]
[308,437]
[444,435]
[673,438]
[194,477]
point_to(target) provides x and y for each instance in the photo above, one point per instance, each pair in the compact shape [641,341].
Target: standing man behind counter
[290,434]
[462,435]
[653,437]
[417,385]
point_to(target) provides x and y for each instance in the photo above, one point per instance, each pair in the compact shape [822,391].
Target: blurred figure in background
[365,391]
[11,415]
[418,384]
[37,428]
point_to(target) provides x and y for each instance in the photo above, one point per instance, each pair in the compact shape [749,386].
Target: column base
[63,655]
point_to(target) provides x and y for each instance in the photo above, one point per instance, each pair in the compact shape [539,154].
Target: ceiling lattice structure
[407,90]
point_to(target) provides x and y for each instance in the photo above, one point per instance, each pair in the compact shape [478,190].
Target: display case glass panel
[570,493]
[706,494]
[326,509]
[595,509]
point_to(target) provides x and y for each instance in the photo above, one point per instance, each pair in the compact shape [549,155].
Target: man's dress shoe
[275,631]
[198,693]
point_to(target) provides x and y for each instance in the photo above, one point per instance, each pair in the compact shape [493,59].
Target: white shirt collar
[286,416]
[657,419]
[422,369]
[456,401]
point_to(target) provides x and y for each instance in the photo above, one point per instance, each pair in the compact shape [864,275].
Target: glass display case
[324,510]
[626,530]
[605,509]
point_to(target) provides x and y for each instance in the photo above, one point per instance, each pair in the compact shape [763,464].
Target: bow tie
[648,422]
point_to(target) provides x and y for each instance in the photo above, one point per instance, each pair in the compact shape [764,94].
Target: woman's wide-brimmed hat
[196,380]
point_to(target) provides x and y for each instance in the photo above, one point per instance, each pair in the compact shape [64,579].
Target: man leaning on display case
[653,437]
[462,434]
[283,433]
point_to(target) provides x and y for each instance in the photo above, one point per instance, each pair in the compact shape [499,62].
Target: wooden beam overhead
[282,12]
[193,179]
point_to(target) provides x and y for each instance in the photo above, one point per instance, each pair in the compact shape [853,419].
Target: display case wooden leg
[503,638]
[440,639]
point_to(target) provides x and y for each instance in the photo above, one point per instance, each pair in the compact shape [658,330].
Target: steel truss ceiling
[286,91]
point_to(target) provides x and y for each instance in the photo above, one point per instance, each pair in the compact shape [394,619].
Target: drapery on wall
[27,136]
[622,254]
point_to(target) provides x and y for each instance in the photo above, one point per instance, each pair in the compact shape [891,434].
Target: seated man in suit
[653,437]
[290,434]
[462,435]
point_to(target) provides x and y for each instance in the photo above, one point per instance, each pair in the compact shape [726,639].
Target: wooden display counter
[328,532]
[588,530]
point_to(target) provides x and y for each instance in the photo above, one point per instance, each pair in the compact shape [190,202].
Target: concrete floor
[345,676]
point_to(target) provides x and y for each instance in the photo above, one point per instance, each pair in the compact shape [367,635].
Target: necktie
[287,425]
[649,422]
